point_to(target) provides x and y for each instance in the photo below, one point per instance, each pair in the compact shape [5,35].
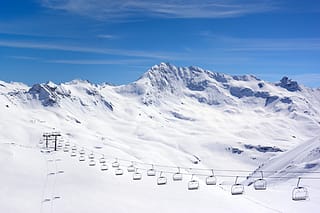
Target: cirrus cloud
[120,9]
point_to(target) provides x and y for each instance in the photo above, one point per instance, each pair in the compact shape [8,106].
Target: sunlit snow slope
[172,116]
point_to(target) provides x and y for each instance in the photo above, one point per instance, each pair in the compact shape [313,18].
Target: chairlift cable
[206,169]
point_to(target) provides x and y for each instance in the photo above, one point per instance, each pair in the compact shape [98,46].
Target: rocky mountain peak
[289,84]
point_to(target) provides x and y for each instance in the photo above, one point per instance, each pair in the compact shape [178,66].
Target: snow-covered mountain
[175,116]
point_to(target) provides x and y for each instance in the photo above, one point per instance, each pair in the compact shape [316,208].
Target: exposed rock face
[45,93]
[289,84]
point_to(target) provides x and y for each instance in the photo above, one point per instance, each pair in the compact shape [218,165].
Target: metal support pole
[55,142]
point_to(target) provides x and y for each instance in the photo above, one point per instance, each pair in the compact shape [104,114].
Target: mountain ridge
[174,116]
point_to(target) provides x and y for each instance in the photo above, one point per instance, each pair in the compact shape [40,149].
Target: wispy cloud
[98,62]
[107,9]
[107,36]
[311,79]
[83,49]
[21,57]
[303,44]
[264,44]
[82,61]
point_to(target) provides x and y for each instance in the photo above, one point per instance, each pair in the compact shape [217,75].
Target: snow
[170,116]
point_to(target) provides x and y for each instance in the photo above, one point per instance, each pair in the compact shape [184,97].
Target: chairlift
[131,168]
[118,171]
[92,162]
[261,183]
[82,158]
[82,152]
[116,164]
[151,172]
[102,160]
[46,200]
[67,144]
[74,148]
[237,188]
[73,154]
[162,180]
[137,175]
[104,167]
[66,149]
[177,176]
[193,184]
[211,180]
[299,193]
[59,145]
[91,155]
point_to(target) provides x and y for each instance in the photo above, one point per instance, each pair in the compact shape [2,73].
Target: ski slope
[171,116]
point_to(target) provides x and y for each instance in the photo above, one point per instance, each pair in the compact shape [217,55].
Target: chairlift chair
[116,164]
[66,149]
[82,152]
[73,154]
[211,180]
[118,171]
[74,148]
[177,176]
[162,180]
[104,167]
[137,175]
[91,155]
[237,188]
[82,158]
[102,160]
[151,172]
[193,184]
[299,193]
[92,162]
[261,183]
[131,168]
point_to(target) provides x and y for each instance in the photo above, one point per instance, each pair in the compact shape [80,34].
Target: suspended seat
[73,154]
[104,167]
[59,145]
[237,188]
[74,148]
[193,184]
[177,176]
[46,200]
[92,162]
[261,183]
[91,156]
[82,158]
[66,149]
[118,171]
[151,172]
[82,152]
[131,168]
[115,164]
[137,175]
[102,160]
[162,180]
[211,180]
[299,193]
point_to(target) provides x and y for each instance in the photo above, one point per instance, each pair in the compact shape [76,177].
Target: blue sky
[117,41]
